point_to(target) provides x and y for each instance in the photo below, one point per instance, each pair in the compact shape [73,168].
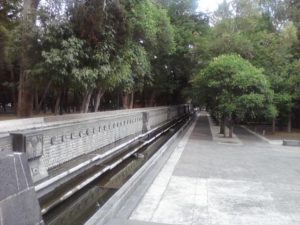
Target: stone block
[32,144]
[146,124]
[8,176]
[38,170]
[294,143]
[18,200]
[21,209]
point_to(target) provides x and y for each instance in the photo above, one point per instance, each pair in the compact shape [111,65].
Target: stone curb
[115,203]
[294,143]
[271,142]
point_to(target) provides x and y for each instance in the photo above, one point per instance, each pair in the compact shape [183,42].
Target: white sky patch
[209,5]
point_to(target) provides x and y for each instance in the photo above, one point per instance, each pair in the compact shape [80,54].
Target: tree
[273,52]
[235,89]
[99,24]
[9,20]
[150,38]
[25,96]
[63,63]
[260,32]
[173,71]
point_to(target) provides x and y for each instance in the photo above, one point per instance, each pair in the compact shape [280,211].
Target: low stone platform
[295,143]
[208,182]
[18,200]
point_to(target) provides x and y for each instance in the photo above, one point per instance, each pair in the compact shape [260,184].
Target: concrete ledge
[48,185]
[54,121]
[16,124]
[272,142]
[107,212]
[292,143]
[295,143]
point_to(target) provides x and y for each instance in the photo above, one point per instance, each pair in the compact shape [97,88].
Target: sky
[208,5]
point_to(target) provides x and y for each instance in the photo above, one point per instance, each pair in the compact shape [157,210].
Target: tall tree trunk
[230,125]
[98,99]
[45,108]
[125,99]
[152,99]
[39,106]
[118,99]
[225,125]
[25,96]
[230,129]
[66,100]
[222,125]
[290,121]
[36,98]
[131,100]
[62,102]
[86,102]
[57,102]
[274,125]
[83,103]
[13,89]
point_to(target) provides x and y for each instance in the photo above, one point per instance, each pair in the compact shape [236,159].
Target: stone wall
[58,141]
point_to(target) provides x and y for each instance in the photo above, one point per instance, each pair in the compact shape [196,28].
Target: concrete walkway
[209,182]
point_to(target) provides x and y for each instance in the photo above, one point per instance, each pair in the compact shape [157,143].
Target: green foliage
[235,88]
[173,71]
[294,80]
[134,66]
[265,33]
[9,11]
[154,47]
[62,55]
[150,25]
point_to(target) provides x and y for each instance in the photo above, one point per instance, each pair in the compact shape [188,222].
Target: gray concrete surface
[18,200]
[136,186]
[206,182]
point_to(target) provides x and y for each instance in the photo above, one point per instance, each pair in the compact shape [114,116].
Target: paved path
[207,182]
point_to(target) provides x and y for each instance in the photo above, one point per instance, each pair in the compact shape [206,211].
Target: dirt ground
[12,116]
[280,134]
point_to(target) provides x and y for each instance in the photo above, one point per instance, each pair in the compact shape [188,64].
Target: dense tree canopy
[235,89]
[86,55]
[266,33]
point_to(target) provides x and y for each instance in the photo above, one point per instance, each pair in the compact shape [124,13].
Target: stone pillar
[146,125]
[180,110]
[18,200]
[32,144]
[169,113]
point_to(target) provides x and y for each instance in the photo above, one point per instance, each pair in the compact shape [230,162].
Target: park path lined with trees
[242,61]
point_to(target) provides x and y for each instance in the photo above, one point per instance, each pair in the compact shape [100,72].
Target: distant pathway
[209,183]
